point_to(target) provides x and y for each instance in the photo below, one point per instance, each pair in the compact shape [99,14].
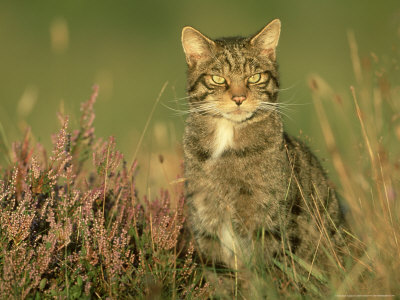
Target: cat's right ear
[267,39]
[197,47]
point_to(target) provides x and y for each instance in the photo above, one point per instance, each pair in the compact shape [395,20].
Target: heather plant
[71,230]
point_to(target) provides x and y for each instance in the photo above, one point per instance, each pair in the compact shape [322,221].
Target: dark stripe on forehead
[217,65]
[215,69]
[250,65]
[229,64]
[218,60]
[228,60]
[254,65]
[237,57]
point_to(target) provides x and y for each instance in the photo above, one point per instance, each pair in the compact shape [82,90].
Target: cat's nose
[239,99]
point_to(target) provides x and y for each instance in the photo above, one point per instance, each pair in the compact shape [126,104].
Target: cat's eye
[218,79]
[254,78]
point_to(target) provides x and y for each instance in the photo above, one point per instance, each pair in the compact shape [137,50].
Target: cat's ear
[267,39]
[197,47]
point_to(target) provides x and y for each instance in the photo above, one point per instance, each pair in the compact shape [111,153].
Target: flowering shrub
[75,229]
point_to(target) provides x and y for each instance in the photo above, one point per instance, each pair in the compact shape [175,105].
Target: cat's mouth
[238,115]
[237,111]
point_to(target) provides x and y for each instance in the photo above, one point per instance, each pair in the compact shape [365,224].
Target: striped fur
[246,177]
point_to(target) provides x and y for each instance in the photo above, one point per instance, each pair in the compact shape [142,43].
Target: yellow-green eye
[218,79]
[255,78]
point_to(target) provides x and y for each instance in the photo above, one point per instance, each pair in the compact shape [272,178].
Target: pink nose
[238,99]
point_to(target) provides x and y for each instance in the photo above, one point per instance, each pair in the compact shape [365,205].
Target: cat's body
[251,189]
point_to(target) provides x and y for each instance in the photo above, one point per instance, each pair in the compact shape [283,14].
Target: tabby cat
[252,190]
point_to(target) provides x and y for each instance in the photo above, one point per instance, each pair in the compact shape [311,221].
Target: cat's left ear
[267,39]
[197,46]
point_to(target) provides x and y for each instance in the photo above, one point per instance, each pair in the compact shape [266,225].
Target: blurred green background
[52,52]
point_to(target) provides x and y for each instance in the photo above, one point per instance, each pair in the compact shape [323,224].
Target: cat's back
[314,192]
[305,165]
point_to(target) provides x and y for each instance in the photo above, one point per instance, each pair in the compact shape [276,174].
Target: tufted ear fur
[267,39]
[197,47]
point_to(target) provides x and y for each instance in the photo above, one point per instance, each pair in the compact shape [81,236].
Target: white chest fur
[223,137]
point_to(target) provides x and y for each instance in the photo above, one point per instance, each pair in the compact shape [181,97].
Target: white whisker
[177,111]
[268,106]
[204,108]
[182,98]
[289,87]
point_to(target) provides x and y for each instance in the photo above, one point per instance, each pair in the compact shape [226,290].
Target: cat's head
[232,77]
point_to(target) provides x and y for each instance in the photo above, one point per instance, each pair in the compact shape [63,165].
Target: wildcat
[252,190]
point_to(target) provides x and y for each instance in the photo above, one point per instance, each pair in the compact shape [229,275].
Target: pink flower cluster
[72,229]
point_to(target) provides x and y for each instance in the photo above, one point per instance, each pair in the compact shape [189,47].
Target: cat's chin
[238,117]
